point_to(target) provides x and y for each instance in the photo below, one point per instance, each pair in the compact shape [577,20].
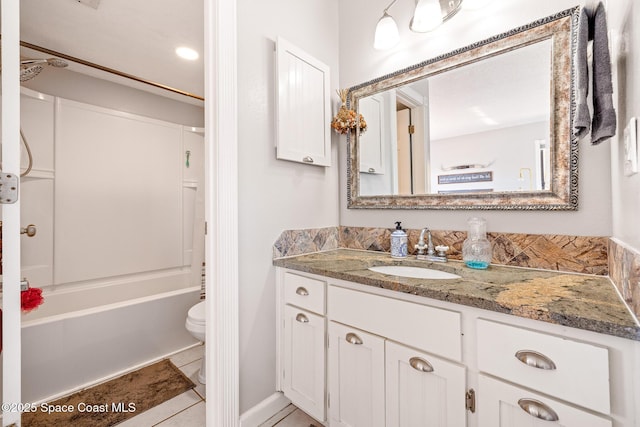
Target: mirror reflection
[454,133]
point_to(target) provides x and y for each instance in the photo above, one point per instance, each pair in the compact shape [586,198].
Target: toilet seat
[196,314]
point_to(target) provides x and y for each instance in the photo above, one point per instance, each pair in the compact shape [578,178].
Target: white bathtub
[83,336]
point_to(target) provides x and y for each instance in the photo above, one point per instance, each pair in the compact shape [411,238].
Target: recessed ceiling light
[187,53]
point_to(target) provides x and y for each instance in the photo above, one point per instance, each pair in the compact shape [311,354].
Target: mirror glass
[484,127]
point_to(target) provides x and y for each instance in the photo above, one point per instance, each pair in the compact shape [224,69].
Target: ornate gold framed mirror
[487,126]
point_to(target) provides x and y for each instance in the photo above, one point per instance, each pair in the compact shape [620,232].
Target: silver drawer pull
[302,291]
[420,364]
[353,339]
[307,159]
[535,359]
[537,409]
[302,318]
[371,170]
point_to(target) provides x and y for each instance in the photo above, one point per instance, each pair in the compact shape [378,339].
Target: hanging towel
[582,121]
[603,125]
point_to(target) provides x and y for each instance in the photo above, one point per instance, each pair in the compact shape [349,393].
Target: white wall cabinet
[372,142]
[303,106]
[399,360]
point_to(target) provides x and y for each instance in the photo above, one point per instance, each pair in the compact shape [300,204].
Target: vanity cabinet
[573,371]
[422,389]
[303,343]
[380,336]
[356,369]
[502,404]
[401,360]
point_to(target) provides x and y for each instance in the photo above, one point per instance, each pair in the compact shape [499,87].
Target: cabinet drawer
[304,292]
[570,370]
[434,330]
[505,405]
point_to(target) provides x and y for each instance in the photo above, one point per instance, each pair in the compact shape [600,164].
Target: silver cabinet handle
[302,318]
[307,159]
[371,170]
[353,339]
[537,409]
[302,291]
[535,359]
[420,364]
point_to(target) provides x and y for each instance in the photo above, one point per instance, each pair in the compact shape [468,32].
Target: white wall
[624,23]
[82,88]
[359,62]
[507,151]
[275,195]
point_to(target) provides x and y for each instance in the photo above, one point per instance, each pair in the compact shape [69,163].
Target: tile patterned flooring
[188,409]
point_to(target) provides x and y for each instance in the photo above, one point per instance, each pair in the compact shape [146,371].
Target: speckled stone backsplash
[298,242]
[624,268]
[574,254]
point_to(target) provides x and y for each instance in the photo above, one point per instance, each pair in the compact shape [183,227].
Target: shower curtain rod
[107,69]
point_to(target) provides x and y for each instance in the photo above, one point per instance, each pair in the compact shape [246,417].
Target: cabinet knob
[302,291]
[537,409]
[353,339]
[535,359]
[371,170]
[307,159]
[302,318]
[420,364]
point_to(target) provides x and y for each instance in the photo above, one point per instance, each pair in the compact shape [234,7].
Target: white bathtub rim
[100,308]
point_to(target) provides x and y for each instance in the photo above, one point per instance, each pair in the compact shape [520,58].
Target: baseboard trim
[264,410]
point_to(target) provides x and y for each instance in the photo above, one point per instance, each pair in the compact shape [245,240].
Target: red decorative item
[30,299]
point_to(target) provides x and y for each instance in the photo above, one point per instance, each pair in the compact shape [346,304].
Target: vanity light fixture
[427,16]
[387,35]
[187,53]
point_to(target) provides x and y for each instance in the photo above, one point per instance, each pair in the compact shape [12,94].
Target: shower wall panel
[118,193]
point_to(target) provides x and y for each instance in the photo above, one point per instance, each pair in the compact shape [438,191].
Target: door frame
[11,351]
[221,214]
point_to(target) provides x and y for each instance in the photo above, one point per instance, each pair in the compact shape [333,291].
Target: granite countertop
[577,300]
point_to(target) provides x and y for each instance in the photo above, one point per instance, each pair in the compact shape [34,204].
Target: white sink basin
[414,272]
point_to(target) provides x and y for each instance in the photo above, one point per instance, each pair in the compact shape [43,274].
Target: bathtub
[80,337]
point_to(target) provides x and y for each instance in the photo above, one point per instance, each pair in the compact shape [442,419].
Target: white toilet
[195,324]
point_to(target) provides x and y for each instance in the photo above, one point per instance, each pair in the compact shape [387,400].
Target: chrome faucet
[421,245]
[430,255]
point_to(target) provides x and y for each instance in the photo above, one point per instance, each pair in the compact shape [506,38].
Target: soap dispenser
[398,242]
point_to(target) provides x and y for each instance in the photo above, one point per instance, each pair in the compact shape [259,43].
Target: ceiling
[136,37]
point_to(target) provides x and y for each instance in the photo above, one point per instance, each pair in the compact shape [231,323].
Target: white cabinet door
[423,390]
[503,405]
[356,366]
[371,143]
[304,360]
[302,106]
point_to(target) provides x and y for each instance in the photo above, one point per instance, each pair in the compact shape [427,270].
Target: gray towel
[582,120]
[604,115]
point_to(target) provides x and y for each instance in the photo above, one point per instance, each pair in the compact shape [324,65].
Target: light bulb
[386,35]
[427,16]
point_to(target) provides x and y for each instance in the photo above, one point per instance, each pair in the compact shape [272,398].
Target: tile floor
[188,409]
[185,410]
[291,417]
